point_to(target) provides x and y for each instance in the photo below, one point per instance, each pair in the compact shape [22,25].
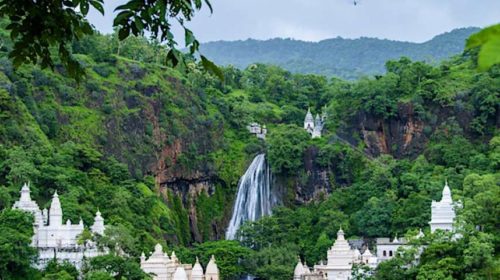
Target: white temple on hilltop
[442,212]
[163,267]
[314,125]
[52,238]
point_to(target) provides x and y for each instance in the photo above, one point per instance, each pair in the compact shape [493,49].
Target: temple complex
[340,259]
[57,240]
[342,256]
[163,267]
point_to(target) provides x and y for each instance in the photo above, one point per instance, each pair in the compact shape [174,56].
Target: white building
[386,249]
[258,130]
[314,125]
[163,267]
[52,238]
[442,212]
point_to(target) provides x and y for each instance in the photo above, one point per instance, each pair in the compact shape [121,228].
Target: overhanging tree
[40,28]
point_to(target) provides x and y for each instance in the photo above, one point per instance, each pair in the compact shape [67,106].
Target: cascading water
[254,198]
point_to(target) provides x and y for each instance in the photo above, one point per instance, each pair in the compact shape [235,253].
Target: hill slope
[345,58]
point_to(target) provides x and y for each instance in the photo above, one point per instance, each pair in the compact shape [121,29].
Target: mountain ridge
[340,57]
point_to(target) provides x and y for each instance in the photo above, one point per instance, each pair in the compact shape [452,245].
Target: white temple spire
[55,212]
[98,226]
[309,121]
[442,212]
[395,240]
[197,271]
[340,234]
[212,271]
[299,270]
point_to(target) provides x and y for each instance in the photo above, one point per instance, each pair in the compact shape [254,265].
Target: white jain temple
[163,267]
[314,125]
[342,256]
[57,240]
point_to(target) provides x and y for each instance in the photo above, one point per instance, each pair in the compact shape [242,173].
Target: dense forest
[338,57]
[159,151]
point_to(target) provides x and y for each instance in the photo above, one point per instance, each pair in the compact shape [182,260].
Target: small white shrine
[442,212]
[258,130]
[314,125]
[55,239]
[163,267]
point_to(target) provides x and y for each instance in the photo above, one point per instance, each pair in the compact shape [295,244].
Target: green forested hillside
[160,152]
[344,58]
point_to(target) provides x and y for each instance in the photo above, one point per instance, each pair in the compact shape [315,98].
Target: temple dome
[299,270]
[158,249]
[197,272]
[367,253]
[180,274]
[212,268]
[306,269]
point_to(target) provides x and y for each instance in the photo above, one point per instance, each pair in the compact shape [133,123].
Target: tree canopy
[40,28]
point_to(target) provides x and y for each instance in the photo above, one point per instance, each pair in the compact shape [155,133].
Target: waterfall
[254,198]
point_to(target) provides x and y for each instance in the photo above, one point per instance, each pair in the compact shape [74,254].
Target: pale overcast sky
[314,20]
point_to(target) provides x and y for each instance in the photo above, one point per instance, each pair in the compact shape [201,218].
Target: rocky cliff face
[315,181]
[159,126]
[189,191]
[405,135]
[400,136]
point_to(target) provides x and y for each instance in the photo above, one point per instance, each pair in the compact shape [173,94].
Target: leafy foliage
[116,267]
[38,28]
[488,39]
[16,254]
